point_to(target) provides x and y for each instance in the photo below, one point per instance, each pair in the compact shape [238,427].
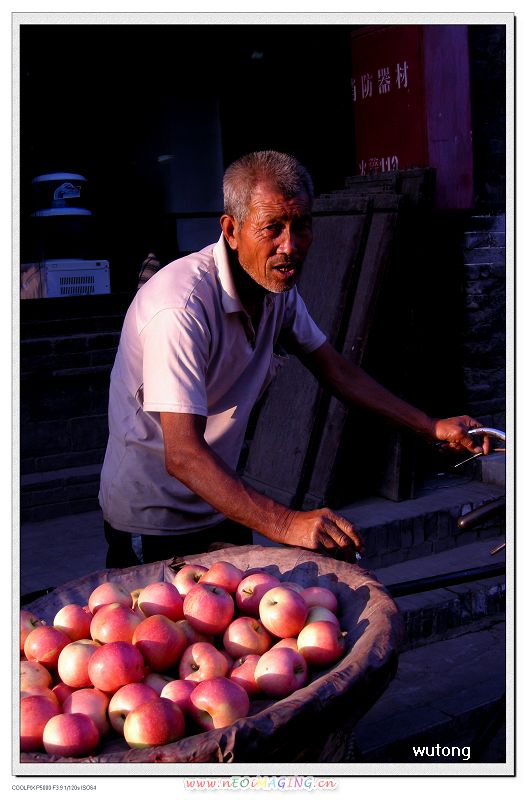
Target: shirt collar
[229,296]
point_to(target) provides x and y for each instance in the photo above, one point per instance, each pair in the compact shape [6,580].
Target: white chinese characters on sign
[383,82]
[376,164]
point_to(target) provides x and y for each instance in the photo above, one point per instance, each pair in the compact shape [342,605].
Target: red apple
[28,621]
[243,673]
[193,636]
[44,645]
[283,611]
[73,662]
[154,723]
[35,712]
[246,635]
[280,671]
[161,598]
[201,661]
[74,620]
[320,596]
[251,589]
[42,691]
[125,700]
[114,664]
[297,587]
[218,702]
[187,577]
[160,641]
[70,736]
[109,592]
[224,574]
[157,681]
[114,623]
[62,690]
[208,608]
[179,691]
[321,643]
[290,641]
[34,674]
[318,613]
[91,702]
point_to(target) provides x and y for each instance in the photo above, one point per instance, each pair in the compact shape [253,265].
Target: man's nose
[288,242]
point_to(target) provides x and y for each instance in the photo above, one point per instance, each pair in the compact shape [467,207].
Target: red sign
[388,99]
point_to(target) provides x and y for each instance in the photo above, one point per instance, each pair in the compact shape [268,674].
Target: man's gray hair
[280,169]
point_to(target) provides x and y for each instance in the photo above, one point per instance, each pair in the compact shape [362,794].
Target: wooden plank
[376,259]
[288,415]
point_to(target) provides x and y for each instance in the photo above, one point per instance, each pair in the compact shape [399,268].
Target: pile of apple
[169,659]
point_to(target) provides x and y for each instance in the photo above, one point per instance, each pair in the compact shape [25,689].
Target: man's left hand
[453,433]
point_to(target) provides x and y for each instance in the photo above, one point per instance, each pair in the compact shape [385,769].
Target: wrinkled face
[273,242]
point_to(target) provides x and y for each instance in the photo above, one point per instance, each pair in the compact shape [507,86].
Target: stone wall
[484,334]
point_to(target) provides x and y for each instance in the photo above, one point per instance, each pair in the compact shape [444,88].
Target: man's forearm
[353,386]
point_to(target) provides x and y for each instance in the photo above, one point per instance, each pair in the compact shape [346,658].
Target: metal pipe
[426,584]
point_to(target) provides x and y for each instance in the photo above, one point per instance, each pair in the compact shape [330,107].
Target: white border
[329,17]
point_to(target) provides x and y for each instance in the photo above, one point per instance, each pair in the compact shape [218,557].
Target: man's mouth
[288,270]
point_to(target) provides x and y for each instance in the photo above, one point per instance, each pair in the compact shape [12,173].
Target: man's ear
[229,228]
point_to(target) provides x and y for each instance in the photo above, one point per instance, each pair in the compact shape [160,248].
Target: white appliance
[65,277]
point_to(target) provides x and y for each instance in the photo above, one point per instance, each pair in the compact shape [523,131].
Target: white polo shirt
[188,346]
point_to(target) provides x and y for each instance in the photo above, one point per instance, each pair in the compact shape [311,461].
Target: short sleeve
[176,346]
[299,331]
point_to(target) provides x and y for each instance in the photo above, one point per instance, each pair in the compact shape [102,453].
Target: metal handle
[488,432]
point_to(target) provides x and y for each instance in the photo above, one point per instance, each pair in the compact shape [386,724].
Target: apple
[154,723]
[191,634]
[297,587]
[201,661]
[157,681]
[218,702]
[91,702]
[62,690]
[283,611]
[187,577]
[114,623]
[208,608]
[44,644]
[34,674]
[125,700]
[243,673]
[251,589]
[280,671]
[114,664]
[320,596]
[224,574]
[246,635]
[109,592]
[160,641]
[35,712]
[72,666]
[290,641]
[28,621]
[42,691]
[179,691]
[321,643]
[161,598]
[317,613]
[70,736]
[74,620]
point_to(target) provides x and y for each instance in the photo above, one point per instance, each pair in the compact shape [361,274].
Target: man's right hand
[322,530]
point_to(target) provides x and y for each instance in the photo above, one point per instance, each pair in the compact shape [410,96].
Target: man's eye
[274,227]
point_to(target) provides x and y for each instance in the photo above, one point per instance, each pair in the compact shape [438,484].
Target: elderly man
[197,351]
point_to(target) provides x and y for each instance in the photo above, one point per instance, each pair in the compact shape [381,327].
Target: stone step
[395,532]
[487,222]
[434,614]
[52,354]
[443,694]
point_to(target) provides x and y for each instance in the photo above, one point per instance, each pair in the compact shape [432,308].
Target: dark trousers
[121,554]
